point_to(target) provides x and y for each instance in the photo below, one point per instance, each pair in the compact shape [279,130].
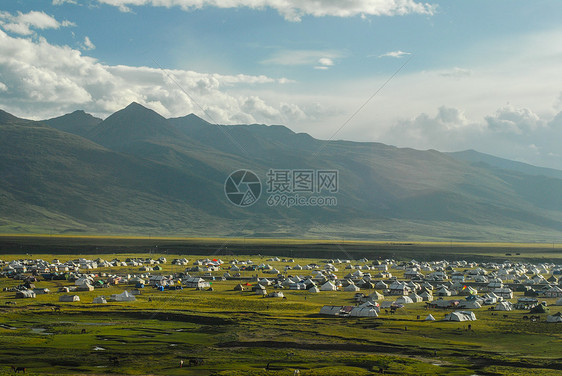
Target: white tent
[415,297]
[85,287]
[467,290]
[135,280]
[386,304]
[196,282]
[314,289]
[330,310]
[404,300]
[380,285]
[363,312]
[553,292]
[426,296]
[26,294]
[83,281]
[558,302]
[443,291]
[369,304]
[125,296]
[99,300]
[69,298]
[351,287]
[328,286]
[376,296]
[557,317]
[430,318]
[503,306]
[460,316]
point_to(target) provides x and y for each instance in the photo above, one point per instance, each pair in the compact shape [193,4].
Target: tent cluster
[368,309]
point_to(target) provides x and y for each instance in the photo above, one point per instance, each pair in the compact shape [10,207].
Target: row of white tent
[125,296]
[371,310]
[367,309]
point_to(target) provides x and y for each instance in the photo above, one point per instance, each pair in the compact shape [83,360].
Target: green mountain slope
[137,173]
[52,175]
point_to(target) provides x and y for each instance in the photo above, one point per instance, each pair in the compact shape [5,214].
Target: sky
[444,75]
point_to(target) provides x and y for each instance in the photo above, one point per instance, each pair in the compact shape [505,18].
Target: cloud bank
[294,10]
[24,23]
[40,80]
[513,132]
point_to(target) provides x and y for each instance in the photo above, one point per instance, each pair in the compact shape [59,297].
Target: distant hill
[475,157]
[137,172]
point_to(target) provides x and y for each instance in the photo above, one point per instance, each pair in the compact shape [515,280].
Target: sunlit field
[228,332]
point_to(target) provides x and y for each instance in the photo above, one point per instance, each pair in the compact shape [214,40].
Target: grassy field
[240,333]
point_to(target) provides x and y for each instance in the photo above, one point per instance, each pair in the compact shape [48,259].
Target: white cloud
[558,101]
[61,2]
[41,80]
[88,45]
[66,23]
[511,120]
[23,23]
[456,72]
[292,113]
[257,106]
[511,132]
[448,127]
[303,57]
[294,10]
[397,54]
[324,63]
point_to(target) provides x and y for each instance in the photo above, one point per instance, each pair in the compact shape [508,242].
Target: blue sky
[478,74]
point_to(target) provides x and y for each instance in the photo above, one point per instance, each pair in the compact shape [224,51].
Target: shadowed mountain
[256,141]
[78,122]
[138,172]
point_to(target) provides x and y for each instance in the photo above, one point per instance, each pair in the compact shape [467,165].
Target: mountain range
[139,173]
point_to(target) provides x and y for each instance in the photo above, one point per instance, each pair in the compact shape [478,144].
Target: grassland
[240,333]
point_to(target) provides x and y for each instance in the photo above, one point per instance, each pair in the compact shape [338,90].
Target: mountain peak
[190,120]
[133,123]
[138,111]
[78,122]
[135,105]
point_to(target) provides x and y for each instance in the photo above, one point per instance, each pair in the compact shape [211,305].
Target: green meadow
[231,332]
